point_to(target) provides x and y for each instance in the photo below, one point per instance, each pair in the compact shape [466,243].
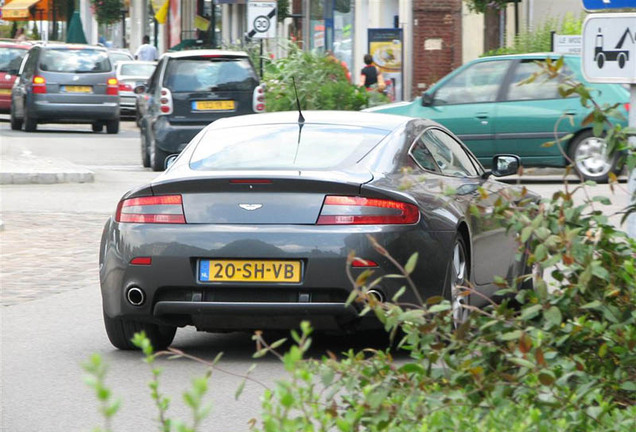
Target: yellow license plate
[78,89]
[5,91]
[224,105]
[249,271]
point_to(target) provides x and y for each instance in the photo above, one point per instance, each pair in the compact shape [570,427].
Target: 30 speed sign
[261,19]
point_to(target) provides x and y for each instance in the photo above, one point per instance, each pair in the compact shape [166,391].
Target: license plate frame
[249,271]
[216,105]
[78,89]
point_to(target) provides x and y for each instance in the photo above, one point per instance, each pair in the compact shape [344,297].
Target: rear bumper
[173,138]
[80,113]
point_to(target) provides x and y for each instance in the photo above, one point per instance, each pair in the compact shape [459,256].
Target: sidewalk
[29,169]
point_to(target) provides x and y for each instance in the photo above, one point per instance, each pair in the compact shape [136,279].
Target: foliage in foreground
[563,358]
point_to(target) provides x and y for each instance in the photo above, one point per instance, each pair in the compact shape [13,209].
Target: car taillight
[627,107]
[112,88]
[39,84]
[351,210]
[165,102]
[258,99]
[125,87]
[162,209]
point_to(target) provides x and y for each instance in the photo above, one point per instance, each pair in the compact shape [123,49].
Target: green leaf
[553,316]
[530,312]
[522,362]
[440,307]
[410,265]
[239,390]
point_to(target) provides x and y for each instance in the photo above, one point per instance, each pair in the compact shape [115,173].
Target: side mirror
[139,89]
[170,160]
[427,99]
[505,165]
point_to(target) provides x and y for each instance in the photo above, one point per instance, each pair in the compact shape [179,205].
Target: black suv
[189,90]
[66,84]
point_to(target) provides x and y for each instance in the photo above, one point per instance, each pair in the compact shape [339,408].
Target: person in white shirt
[146,51]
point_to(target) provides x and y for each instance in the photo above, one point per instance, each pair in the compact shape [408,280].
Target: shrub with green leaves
[539,39]
[321,83]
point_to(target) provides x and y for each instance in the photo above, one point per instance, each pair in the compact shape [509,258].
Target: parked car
[119,54]
[252,230]
[64,83]
[486,105]
[11,55]
[130,75]
[187,91]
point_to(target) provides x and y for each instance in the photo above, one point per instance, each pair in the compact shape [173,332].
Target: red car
[11,55]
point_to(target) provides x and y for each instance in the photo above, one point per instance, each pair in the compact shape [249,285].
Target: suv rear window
[10,59]
[75,60]
[210,74]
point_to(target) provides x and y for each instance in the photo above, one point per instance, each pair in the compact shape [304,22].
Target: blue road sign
[591,5]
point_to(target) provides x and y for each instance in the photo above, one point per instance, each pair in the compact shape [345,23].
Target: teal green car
[485,105]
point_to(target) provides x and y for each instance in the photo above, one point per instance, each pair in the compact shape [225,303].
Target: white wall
[472,34]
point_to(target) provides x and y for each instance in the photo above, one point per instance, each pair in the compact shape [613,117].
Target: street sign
[261,19]
[592,5]
[609,48]
[566,44]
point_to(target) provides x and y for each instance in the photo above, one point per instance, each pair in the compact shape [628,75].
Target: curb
[31,170]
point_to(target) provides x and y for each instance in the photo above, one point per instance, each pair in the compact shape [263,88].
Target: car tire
[112,127]
[145,154]
[120,332]
[30,124]
[16,123]
[587,153]
[97,127]
[157,156]
[458,276]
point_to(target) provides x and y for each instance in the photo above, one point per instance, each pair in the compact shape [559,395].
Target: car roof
[528,55]
[205,52]
[15,44]
[343,118]
[72,46]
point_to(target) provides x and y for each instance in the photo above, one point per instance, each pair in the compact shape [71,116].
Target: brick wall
[437,40]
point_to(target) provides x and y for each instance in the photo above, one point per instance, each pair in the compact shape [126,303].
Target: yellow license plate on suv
[250,271]
[223,105]
[78,89]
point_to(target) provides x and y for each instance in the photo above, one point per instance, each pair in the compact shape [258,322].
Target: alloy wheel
[458,275]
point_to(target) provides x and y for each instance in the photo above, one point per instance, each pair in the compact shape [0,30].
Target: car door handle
[570,113]
[481,116]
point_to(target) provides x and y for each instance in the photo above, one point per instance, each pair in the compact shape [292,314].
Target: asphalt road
[51,307]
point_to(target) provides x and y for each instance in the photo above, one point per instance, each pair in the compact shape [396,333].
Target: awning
[18,9]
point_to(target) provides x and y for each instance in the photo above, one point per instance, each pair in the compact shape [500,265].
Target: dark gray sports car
[251,226]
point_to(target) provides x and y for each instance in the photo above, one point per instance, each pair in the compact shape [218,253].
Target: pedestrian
[370,76]
[20,35]
[146,51]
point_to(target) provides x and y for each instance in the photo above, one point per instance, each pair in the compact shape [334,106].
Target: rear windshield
[141,70]
[210,74]
[10,59]
[118,56]
[75,60]
[284,146]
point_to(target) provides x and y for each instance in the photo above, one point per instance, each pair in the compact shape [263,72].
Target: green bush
[321,82]
[539,39]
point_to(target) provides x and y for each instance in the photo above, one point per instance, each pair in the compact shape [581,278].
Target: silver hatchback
[66,84]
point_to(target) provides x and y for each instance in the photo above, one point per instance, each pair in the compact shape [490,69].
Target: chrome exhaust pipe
[135,296]
[377,294]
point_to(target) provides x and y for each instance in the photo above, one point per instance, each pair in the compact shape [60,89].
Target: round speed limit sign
[261,24]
